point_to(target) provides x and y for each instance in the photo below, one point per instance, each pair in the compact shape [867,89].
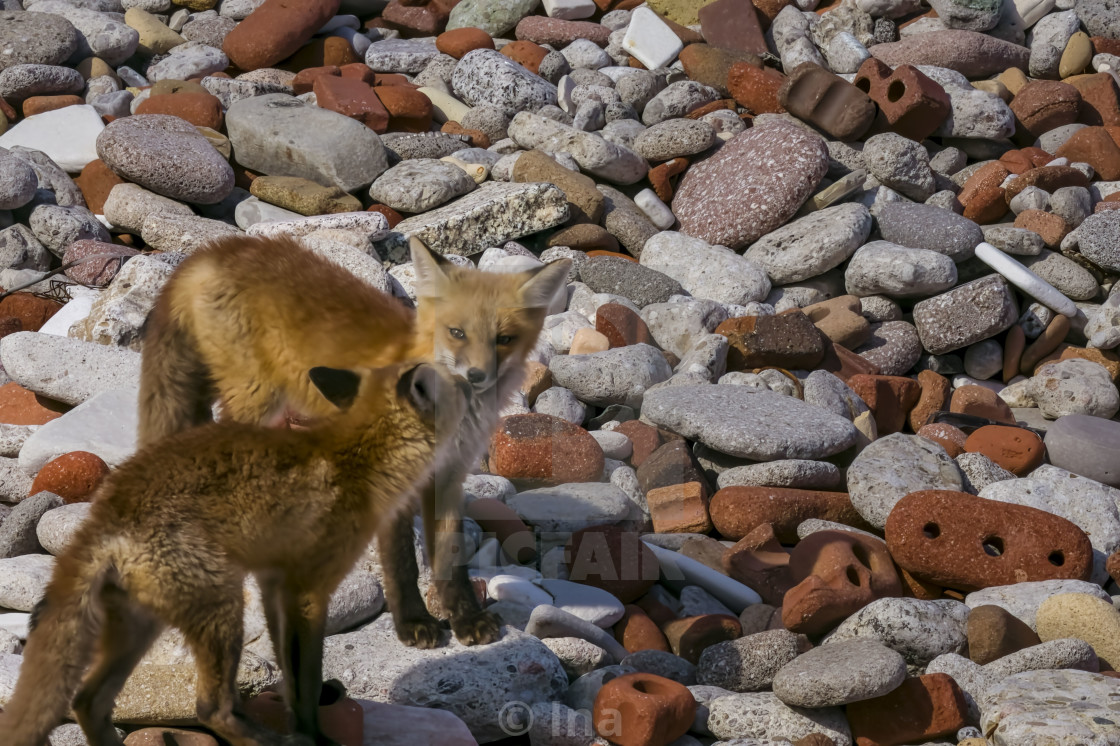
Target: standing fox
[173,532]
[241,321]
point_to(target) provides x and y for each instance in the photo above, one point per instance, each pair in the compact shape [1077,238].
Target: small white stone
[564,89]
[517,590]
[1025,280]
[650,39]
[676,567]
[569,10]
[445,107]
[614,445]
[104,425]
[657,211]
[585,601]
[67,135]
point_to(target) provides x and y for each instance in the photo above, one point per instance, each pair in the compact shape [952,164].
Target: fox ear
[544,283]
[338,385]
[430,269]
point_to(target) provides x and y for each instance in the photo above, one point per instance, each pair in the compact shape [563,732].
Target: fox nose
[476,376]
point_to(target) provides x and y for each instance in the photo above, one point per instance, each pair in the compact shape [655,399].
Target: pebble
[840,673]
[68,136]
[135,147]
[487,77]
[705,271]
[1084,617]
[919,630]
[419,185]
[1024,710]
[739,179]
[966,314]
[928,227]
[750,663]
[99,35]
[895,466]
[811,245]
[884,268]
[279,135]
[761,426]
[750,714]
[1074,387]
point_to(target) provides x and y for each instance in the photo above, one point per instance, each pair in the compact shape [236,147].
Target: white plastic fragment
[1025,280]
[650,39]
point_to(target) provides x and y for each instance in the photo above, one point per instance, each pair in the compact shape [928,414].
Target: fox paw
[420,633]
[480,628]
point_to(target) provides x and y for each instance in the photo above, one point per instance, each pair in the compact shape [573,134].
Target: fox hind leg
[126,634]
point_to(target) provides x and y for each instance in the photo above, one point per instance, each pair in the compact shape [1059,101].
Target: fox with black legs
[242,319]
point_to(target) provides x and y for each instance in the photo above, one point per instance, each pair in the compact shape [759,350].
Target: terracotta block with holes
[910,102]
[966,543]
[643,709]
[837,574]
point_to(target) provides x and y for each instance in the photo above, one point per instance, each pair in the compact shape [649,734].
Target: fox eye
[505,339]
[457,333]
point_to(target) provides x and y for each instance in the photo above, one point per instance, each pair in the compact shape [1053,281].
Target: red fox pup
[243,319]
[173,532]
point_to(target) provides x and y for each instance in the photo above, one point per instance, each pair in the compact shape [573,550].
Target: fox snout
[438,396]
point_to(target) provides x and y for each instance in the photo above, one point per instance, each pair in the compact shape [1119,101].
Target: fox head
[482,324]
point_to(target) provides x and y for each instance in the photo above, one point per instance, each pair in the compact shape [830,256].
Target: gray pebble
[840,673]
[749,664]
[795,473]
[17,181]
[823,389]
[676,100]
[706,271]
[919,630]
[99,34]
[811,245]
[58,227]
[419,185]
[763,714]
[929,227]
[1099,239]
[1074,387]
[660,663]
[1012,240]
[676,137]
[618,376]
[39,38]
[966,314]
[484,76]
[24,81]
[884,268]
[901,164]
[891,468]
[894,346]
[978,471]
[17,532]
[639,284]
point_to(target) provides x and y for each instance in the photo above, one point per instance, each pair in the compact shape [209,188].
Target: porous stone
[893,467]
[966,314]
[811,245]
[840,673]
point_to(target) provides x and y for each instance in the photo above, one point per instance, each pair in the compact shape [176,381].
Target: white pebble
[657,211]
[651,40]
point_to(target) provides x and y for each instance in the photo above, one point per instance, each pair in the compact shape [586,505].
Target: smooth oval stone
[618,376]
[485,76]
[1074,386]
[749,663]
[279,135]
[762,425]
[884,268]
[1098,238]
[35,39]
[836,674]
[572,507]
[753,185]
[735,716]
[705,271]
[1087,446]
[168,156]
[928,227]
[961,541]
[812,245]
[917,629]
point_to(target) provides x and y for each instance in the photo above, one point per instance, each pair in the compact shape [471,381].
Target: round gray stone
[706,271]
[929,227]
[891,468]
[759,425]
[1098,239]
[796,473]
[660,663]
[762,714]
[618,376]
[901,164]
[484,76]
[495,17]
[1074,386]
[35,38]
[676,137]
[99,34]
[1069,277]
[641,285]
[168,156]
[23,81]
[894,346]
[885,268]
[1012,240]
[918,630]
[749,663]
[17,181]
[279,135]
[811,245]
[966,314]
[420,184]
[840,673]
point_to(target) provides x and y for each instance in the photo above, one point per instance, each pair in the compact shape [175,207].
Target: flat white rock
[67,135]
[517,590]
[585,601]
[105,425]
[569,10]
[651,40]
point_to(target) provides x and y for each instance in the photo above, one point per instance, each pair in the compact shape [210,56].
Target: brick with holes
[966,542]
[910,103]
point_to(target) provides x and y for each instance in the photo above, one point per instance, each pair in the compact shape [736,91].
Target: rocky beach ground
[820,447]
